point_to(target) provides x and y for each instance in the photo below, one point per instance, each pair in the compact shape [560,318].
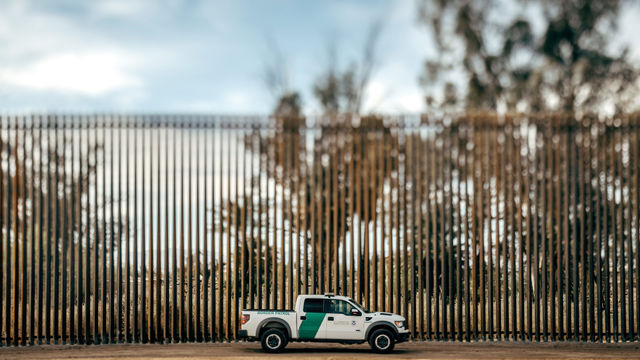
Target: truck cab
[323,318]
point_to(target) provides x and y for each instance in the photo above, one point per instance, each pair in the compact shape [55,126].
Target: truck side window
[337,307]
[313,306]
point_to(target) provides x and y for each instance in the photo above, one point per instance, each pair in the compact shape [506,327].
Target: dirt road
[417,350]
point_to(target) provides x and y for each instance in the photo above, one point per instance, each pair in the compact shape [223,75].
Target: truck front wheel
[382,341]
[273,340]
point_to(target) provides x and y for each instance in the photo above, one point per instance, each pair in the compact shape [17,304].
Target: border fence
[158,228]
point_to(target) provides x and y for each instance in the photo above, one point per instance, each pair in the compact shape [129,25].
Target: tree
[276,80]
[537,55]
[342,91]
[338,91]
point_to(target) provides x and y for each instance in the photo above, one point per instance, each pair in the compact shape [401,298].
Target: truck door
[344,321]
[311,321]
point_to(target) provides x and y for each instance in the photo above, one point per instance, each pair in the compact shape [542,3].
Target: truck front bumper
[402,337]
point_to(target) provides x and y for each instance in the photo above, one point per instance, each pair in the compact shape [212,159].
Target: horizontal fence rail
[163,228]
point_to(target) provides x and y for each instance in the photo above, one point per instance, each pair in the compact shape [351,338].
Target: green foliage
[289,105]
[337,90]
[534,56]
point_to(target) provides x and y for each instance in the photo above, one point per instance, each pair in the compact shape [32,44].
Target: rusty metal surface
[153,228]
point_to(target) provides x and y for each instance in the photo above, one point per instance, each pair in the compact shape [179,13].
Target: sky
[203,56]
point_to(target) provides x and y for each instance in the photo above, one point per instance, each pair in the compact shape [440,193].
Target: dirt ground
[415,350]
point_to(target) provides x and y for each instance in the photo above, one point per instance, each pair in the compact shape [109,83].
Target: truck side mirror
[355,312]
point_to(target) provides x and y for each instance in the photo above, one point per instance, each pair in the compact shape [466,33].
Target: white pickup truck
[324,318]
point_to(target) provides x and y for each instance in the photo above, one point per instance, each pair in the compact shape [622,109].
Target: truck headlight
[400,324]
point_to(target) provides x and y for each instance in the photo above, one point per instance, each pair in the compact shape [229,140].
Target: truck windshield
[359,306]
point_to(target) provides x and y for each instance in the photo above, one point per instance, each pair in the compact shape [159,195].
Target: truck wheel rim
[382,342]
[273,341]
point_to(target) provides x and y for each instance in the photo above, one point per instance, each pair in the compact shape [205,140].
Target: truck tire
[273,340]
[382,341]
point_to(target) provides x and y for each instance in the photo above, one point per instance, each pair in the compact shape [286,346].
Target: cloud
[240,100]
[57,57]
[189,56]
[122,8]
[91,73]
[401,50]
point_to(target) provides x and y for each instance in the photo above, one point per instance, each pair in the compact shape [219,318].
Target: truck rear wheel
[273,340]
[382,341]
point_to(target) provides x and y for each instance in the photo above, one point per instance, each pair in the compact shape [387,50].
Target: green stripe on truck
[309,327]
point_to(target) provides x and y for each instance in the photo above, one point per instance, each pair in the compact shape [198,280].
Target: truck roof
[325,296]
